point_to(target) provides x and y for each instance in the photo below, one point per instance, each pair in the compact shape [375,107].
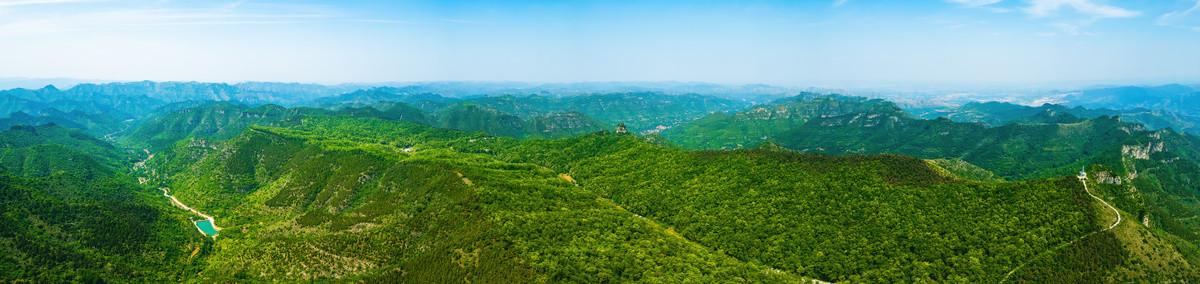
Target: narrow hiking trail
[1083,180]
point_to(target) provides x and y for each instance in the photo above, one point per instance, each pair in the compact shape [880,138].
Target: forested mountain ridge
[70,217]
[373,191]
[394,200]
[997,114]
[1150,175]
[251,92]
[23,136]
[469,117]
[748,128]
[846,125]
[640,111]
[342,182]
[221,121]
[217,121]
[98,124]
[1172,97]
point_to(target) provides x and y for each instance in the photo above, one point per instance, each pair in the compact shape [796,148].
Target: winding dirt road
[180,204]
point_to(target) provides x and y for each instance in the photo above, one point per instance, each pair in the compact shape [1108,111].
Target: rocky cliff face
[1142,151]
[564,121]
[820,107]
[1107,177]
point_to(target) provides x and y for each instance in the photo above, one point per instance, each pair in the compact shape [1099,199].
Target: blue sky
[823,43]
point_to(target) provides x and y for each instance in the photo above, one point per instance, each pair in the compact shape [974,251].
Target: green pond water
[206,227]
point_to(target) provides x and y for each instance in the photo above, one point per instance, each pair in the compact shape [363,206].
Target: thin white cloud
[35,27]
[1071,17]
[10,3]
[1184,19]
[839,2]
[1045,8]
[35,2]
[974,3]
[92,21]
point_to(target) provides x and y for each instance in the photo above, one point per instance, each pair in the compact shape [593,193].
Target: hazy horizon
[834,44]
[66,83]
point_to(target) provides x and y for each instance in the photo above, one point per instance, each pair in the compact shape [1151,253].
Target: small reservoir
[206,227]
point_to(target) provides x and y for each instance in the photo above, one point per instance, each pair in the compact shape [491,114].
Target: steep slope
[997,114]
[51,137]
[561,125]
[640,111]
[841,126]
[216,121]
[1151,175]
[69,218]
[120,107]
[876,219]
[649,111]
[372,200]
[962,170]
[524,107]
[1014,151]
[1001,113]
[470,117]
[427,102]
[749,128]
[97,124]
[385,110]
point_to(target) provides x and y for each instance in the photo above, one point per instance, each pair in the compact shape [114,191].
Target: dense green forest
[1150,174]
[853,218]
[404,185]
[349,188]
[725,202]
[68,217]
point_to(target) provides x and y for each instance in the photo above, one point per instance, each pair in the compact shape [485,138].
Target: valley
[820,188]
[807,142]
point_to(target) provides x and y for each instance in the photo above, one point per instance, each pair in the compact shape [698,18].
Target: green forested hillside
[1013,151]
[561,125]
[1150,175]
[216,121]
[852,218]
[398,111]
[371,192]
[19,142]
[373,200]
[365,198]
[749,128]
[997,114]
[640,111]
[69,218]
[856,126]
[98,124]
[471,117]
